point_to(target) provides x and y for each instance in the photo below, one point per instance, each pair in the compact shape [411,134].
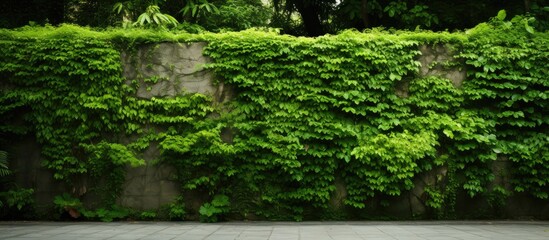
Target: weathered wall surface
[29,172]
[164,70]
[434,61]
[170,69]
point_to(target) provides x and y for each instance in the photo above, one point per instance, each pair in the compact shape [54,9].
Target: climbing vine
[306,113]
[509,86]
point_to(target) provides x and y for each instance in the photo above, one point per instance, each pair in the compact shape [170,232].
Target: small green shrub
[69,204]
[75,208]
[108,215]
[214,210]
[147,215]
[176,210]
[18,198]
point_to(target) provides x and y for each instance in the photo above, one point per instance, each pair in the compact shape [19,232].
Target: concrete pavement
[416,230]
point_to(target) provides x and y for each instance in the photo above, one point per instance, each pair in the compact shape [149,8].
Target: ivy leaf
[448,133]
[501,15]
[528,28]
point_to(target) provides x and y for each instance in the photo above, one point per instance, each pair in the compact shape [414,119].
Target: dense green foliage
[508,85]
[330,16]
[308,113]
[311,110]
[296,17]
[212,15]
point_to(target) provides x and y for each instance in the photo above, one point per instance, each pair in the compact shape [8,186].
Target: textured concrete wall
[29,173]
[164,70]
[438,60]
[170,69]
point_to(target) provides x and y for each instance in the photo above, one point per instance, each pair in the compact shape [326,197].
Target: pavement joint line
[385,233]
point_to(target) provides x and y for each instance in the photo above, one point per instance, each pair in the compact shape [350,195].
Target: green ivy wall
[351,126]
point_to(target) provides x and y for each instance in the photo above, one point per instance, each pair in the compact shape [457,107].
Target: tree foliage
[298,17]
[329,16]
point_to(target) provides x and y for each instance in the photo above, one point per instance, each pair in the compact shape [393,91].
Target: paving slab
[413,230]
